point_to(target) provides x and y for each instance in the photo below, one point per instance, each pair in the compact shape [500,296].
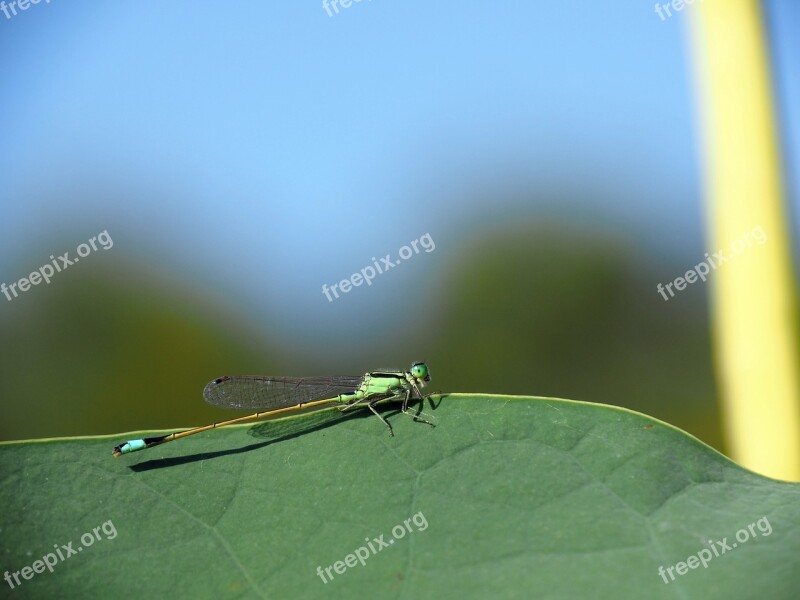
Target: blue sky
[264,149]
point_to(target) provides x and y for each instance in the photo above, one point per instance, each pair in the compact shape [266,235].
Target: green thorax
[378,383]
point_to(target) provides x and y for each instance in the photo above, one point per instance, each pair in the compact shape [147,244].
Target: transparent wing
[257,392]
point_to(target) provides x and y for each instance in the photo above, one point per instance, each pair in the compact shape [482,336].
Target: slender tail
[136,445]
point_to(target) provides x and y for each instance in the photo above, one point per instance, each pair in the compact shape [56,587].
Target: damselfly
[275,395]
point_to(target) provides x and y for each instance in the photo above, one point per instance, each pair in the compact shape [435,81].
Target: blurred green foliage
[532,309]
[563,313]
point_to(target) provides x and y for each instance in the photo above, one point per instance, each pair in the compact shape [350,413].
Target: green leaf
[514,497]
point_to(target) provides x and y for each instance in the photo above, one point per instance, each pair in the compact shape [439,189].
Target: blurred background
[241,156]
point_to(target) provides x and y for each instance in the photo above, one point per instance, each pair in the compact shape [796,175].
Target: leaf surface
[507,497]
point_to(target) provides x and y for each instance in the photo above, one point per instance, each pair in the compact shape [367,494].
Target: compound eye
[420,371]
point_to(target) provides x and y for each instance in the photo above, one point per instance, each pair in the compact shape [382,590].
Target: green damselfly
[276,395]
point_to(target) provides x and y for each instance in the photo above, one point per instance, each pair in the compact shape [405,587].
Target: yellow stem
[752,293]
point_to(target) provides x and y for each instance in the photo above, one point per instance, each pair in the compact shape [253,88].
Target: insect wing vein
[257,392]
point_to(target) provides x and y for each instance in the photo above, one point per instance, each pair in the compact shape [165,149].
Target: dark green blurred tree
[551,311]
[530,309]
